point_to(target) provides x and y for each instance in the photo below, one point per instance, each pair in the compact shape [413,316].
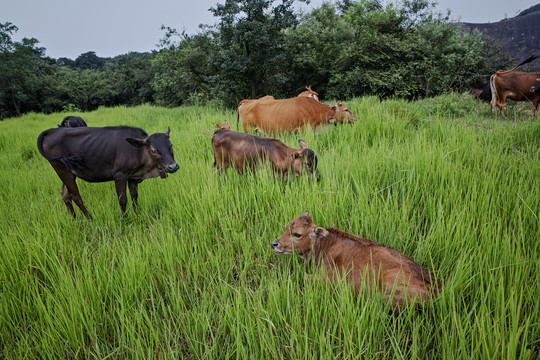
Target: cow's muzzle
[274,245]
[171,168]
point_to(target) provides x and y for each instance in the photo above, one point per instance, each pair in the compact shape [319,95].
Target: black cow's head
[159,148]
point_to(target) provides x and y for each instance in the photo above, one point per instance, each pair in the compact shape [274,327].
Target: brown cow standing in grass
[244,151]
[358,260]
[514,85]
[270,115]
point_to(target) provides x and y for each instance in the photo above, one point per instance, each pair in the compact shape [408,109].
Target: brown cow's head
[299,236]
[158,149]
[304,161]
[309,93]
[223,126]
[342,113]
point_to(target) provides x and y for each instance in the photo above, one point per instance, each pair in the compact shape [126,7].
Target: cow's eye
[297,235]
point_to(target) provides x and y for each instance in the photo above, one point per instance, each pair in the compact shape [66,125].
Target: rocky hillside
[519,36]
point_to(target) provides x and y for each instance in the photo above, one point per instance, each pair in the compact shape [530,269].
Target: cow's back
[385,267]
[289,114]
[95,153]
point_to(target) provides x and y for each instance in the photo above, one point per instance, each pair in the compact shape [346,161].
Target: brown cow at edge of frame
[125,155]
[244,151]
[515,85]
[363,263]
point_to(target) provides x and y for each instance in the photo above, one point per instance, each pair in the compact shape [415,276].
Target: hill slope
[519,36]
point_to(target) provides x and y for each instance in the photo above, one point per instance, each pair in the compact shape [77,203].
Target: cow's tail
[493,91]
[72,162]
[238,114]
[526,61]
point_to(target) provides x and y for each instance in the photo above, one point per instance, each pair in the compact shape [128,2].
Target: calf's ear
[136,142]
[305,213]
[216,125]
[319,232]
[168,131]
[295,155]
[332,120]
[303,144]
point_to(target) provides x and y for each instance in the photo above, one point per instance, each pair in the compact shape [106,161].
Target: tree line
[258,47]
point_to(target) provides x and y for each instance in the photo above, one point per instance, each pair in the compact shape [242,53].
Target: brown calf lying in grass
[358,260]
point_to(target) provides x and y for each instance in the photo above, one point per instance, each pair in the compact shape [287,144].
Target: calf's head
[299,236]
[223,126]
[304,161]
[158,148]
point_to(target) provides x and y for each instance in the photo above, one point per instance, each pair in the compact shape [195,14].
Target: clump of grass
[192,275]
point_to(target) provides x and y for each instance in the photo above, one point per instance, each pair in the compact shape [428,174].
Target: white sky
[68,28]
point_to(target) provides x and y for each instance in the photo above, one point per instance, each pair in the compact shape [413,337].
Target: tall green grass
[192,275]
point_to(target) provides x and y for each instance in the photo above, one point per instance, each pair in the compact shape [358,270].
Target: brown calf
[358,260]
[244,151]
[223,126]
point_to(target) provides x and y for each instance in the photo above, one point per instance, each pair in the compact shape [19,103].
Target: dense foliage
[259,47]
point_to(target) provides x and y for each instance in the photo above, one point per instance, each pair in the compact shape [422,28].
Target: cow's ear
[319,232]
[305,213]
[332,120]
[168,131]
[136,142]
[303,144]
[216,125]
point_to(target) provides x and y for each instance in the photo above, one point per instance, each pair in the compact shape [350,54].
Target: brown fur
[515,85]
[272,115]
[309,93]
[244,151]
[358,260]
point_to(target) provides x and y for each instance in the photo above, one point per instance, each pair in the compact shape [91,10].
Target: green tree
[252,60]
[182,72]
[20,65]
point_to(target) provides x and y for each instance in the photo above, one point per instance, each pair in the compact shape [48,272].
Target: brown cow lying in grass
[358,260]
[244,151]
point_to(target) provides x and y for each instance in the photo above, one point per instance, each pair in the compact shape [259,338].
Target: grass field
[193,276]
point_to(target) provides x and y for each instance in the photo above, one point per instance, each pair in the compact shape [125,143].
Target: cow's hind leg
[66,195]
[536,102]
[70,191]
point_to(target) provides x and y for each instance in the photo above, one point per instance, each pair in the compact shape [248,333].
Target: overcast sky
[68,28]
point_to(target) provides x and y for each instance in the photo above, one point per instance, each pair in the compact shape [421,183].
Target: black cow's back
[93,154]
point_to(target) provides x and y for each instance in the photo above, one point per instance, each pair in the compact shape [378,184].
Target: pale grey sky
[68,28]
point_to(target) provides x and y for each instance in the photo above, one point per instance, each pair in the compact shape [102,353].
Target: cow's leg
[121,187]
[71,191]
[133,190]
[66,195]
[500,103]
[536,102]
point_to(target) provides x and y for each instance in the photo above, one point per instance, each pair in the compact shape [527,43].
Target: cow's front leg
[133,190]
[121,185]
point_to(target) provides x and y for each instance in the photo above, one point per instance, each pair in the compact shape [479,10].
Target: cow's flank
[362,262]
[244,151]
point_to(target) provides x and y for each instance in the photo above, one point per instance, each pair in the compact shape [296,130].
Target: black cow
[72,121]
[125,155]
